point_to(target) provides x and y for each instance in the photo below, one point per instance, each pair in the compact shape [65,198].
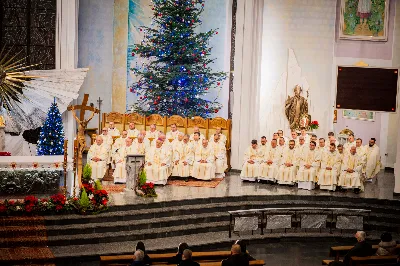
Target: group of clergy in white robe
[171,154]
[307,163]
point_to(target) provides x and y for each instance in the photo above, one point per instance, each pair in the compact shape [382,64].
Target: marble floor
[381,187]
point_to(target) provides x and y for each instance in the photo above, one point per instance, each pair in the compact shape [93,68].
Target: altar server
[196,130]
[270,163]
[219,151]
[183,158]
[157,164]
[132,131]
[373,165]
[97,157]
[309,163]
[112,130]
[350,176]
[288,169]
[203,165]
[173,133]
[251,163]
[330,167]
[120,161]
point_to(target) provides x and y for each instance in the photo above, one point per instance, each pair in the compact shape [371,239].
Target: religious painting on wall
[364,20]
[359,115]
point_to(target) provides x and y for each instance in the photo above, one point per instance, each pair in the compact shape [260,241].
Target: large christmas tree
[51,139]
[176,74]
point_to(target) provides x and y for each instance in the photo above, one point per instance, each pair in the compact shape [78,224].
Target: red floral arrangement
[314,124]
[5,153]
[30,203]
[100,197]
[148,189]
[88,188]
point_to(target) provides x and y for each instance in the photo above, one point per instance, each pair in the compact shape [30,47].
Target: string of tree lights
[175,75]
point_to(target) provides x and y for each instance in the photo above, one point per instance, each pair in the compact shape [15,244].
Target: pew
[373,260]
[214,263]
[341,251]
[159,258]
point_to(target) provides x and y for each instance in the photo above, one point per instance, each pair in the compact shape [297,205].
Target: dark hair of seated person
[178,257]
[146,259]
[243,248]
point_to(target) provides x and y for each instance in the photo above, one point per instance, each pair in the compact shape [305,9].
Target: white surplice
[184,155]
[133,133]
[251,171]
[192,137]
[287,174]
[351,180]
[157,173]
[327,179]
[221,163]
[306,178]
[203,171]
[373,161]
[98,168]
[114,132]
[172,135]
[269,172]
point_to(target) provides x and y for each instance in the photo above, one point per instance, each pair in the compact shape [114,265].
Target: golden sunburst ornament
[12,79]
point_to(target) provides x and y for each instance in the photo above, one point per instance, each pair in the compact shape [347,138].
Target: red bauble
[192,20]
[133,54]
[202,4]
[206,89]
[218,83]
[131,90]
[207,106]
[216,111]
[186,100]
[152,77]
[140,29]
[141,97]
[158,97]
[188,71]
[204,65]
[216,32]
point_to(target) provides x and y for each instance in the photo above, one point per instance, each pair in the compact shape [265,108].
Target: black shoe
[356,191]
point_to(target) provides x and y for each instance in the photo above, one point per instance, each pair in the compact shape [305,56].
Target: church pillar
[67,58]
[246,87]
[397,163]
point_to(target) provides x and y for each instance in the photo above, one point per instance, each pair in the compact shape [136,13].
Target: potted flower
[314,125]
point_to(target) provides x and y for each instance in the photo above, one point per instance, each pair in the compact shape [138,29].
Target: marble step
[135,235]
[129,225]
[146,213]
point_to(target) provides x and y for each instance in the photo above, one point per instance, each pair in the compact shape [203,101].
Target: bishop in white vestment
[183,158]
[157,164]
[288,169]
[251,163]
[330,167]
[97,158]
[219,151]
[373,157]
[120,161]
[204,163]
[350,176]
[269,166]
[309,163]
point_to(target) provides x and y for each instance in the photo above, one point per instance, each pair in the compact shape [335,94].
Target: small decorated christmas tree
[51,139]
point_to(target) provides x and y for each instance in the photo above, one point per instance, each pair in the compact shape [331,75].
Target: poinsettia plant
[314,125]
[144,189]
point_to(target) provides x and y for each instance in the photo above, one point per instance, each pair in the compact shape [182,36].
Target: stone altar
[133,163]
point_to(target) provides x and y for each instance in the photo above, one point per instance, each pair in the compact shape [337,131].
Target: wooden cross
[82,125]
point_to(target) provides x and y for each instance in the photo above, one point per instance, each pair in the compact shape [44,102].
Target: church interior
[199,132]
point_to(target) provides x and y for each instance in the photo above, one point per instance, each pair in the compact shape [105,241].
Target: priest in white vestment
[152,133]
[294,137]
[204,163]
[301,147]
[350,176]
[280,134]
[276,136]
[145,139]
[361,150]
[373,158]
[282,145]
[107,142]
[350,143]
[183,158]
[196,141]
[330,167]
[251,163]
[341,155]
[173,133]
[332,139]
[303,133]
[263,147]
[132,131]
[314,138]
[119,143]
[112,130]
[270,163]
[322,148]
[219,150]
[97,158]
[288,165]
[196,129]
[120,161]
[309,163]
[222,137]
[157,164]
[139,145]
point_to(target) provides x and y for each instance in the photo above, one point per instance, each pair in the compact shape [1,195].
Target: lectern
[133,163]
